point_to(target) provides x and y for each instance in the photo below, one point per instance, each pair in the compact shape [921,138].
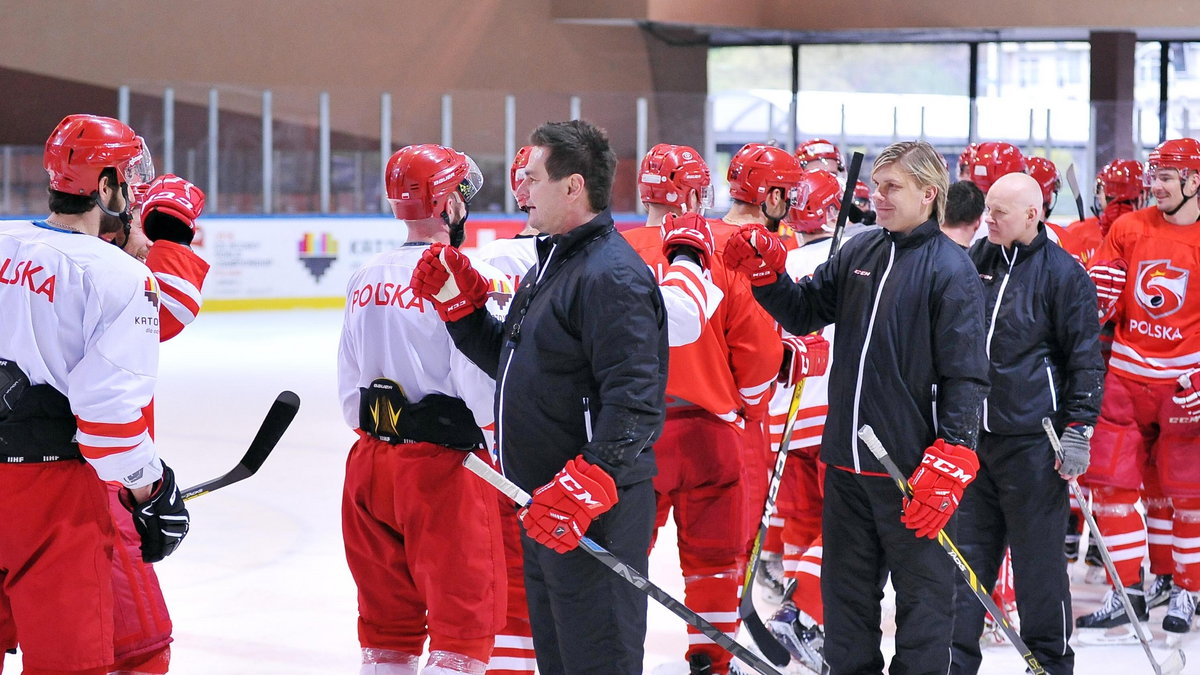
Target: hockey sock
[773,542]
[513,654]
[1123,530]
[1158,534]
[1185,546]
[713,596]
[807,595]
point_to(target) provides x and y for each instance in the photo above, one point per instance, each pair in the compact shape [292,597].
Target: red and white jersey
[82,316]
[1158,314]
[1084,239]
[513,257]
[814,400]
[389,332]
[730,367]
[689,296]
[180,274]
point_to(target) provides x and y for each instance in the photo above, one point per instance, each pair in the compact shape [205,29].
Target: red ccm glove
[803,356]
[937,487]
[688,231]
[1109,277]
[444,277]
[756,253]
[1188,396]
[562,509]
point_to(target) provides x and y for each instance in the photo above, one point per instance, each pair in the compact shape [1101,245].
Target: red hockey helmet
[516,173]
[1047,176]
[862,195]
[819,148]
[757,168]
[420,178]
[966,158]
[82,146]
[1179,153]
[823,197]
[993,160]
[1122,180]
[670,173]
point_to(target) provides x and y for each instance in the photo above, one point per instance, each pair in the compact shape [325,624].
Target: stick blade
[278,418]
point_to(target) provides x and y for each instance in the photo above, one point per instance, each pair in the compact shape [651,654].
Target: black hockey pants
[586,618]
[1017,500]
[864,542]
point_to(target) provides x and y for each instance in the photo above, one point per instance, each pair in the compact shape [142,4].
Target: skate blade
[1117,635]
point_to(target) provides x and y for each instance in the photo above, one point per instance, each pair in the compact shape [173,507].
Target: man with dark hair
[964,211]
[78,364]
[909,361]
[584,352]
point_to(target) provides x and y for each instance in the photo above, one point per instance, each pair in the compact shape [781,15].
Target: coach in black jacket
[581,371]
[909,360]
[1043,343]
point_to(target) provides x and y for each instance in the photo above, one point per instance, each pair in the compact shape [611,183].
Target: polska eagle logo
[1161,287]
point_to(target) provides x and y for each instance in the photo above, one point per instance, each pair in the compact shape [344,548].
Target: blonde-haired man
[909,361]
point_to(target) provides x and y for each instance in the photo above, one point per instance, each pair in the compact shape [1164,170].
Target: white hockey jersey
[81,315]
[689,295]
[814,400]
[389,332]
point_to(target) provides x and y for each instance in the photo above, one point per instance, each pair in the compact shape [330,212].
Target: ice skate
[1180,613]
[1110,625]
[802,638]
[1160,591]
[1071,548]
[770,577]
[1095,566]
[993,635]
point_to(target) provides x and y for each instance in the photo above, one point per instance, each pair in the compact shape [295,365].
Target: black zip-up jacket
[580,362]
[1043,339]
[909,355]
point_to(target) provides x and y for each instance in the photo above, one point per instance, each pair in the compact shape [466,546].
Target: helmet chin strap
[1186,197]
[126,216]
[458,230]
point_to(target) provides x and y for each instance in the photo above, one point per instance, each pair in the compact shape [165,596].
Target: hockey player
[78,358]
[909,361]
[161,233]
[965,159]
[762,185]
[1120,189]
[1048,179]
[514,256]
[425,552]
[964,212]
[764,182]
[1146,423]
[992,160]
[586,338]
[1042,341]
[818,154]
[798,623]
[700,453]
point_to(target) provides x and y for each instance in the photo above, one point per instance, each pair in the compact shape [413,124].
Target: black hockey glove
[162,521]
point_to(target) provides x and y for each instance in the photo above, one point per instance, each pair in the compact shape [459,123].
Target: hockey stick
[282,411]
[1175,662]
[1073,181]
[767,642]
[867,434]
[514,492]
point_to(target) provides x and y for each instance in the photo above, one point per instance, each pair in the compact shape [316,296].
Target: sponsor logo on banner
[1161,287]
[317,252]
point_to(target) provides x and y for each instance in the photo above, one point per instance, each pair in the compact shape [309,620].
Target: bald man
[1043,344]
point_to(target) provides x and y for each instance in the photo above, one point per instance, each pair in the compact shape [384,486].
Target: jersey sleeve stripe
[112,430]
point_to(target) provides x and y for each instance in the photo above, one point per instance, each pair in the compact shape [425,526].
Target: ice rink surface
[261,587]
